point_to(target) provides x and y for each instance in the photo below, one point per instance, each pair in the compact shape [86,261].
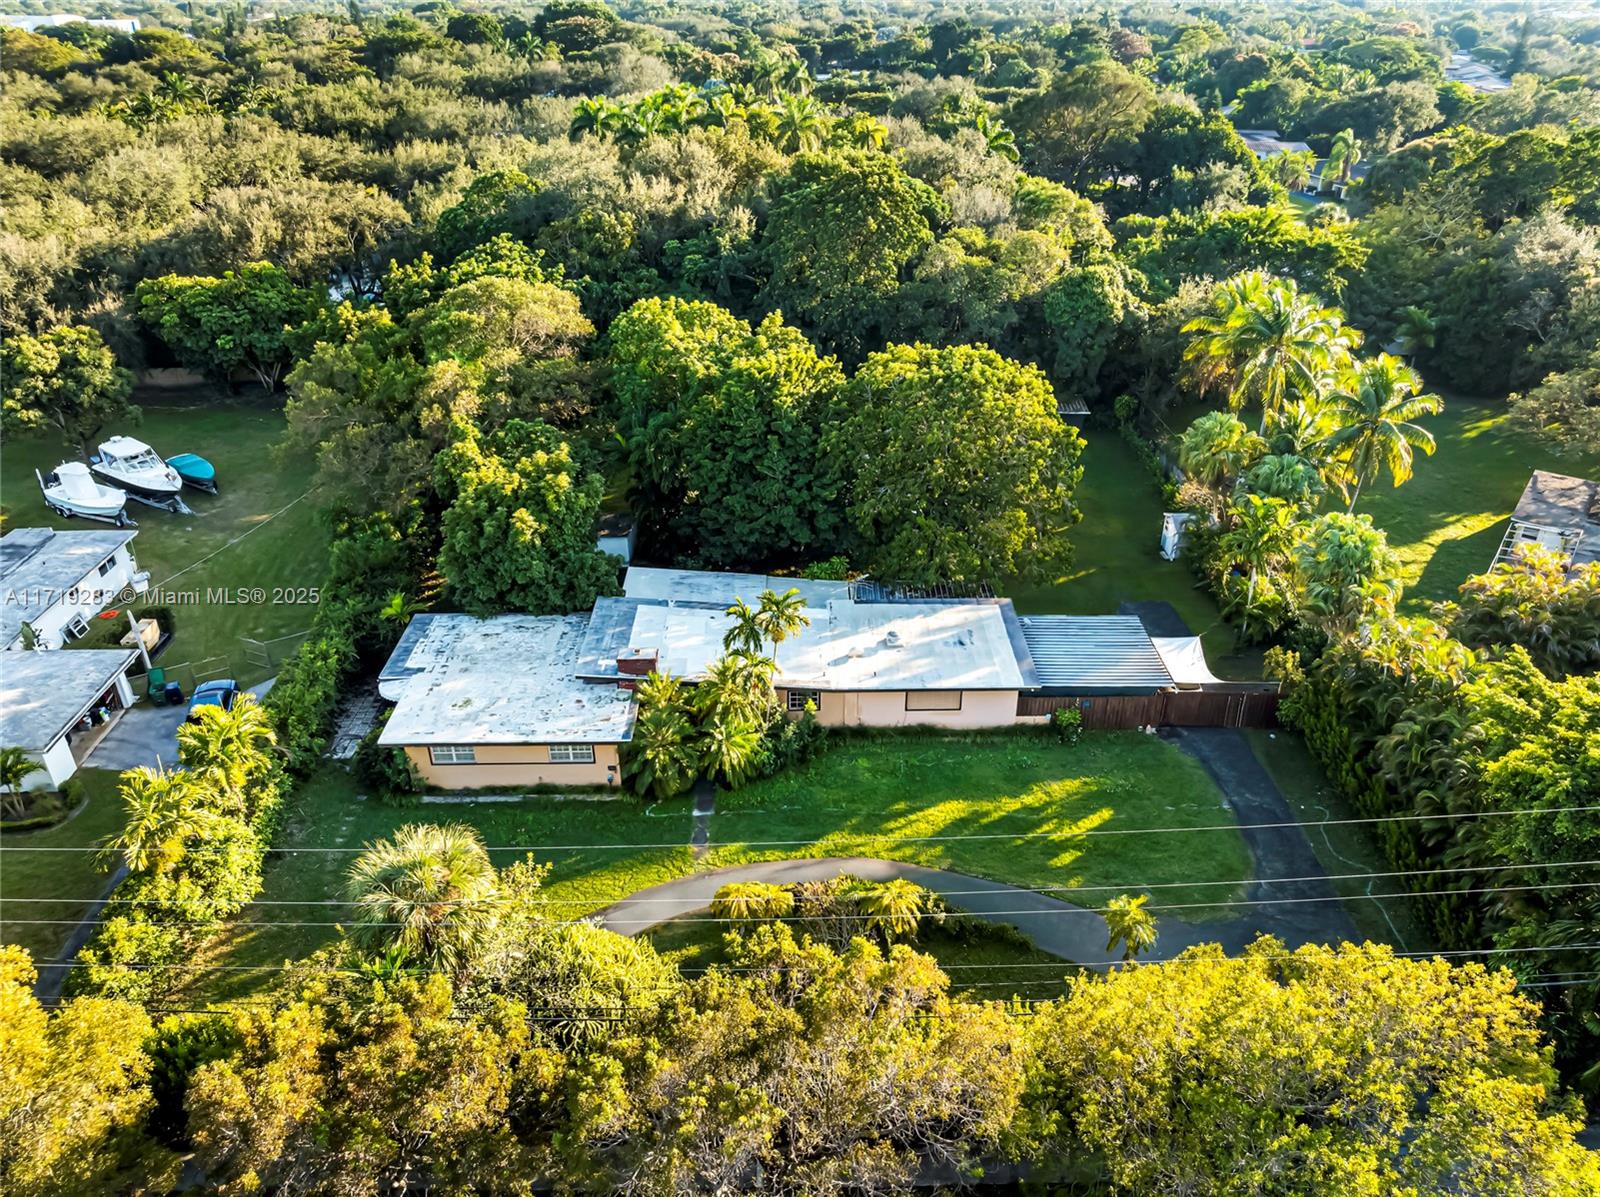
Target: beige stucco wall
[519,765]
[887,708]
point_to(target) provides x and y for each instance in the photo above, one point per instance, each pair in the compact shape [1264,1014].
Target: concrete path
[1071,932]
[705,805]
[147,735]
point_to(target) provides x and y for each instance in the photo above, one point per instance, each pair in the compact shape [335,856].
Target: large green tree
[64,379]
[1089,114]
[954,466]
[238,321]
[519,531]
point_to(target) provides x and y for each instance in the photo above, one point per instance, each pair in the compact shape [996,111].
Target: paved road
[1060,928]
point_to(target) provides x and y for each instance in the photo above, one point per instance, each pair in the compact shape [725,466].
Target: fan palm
[1288,477]
[15,768]
[226,748]
[897,906]
[1373,406]
[801,123]
[1267,343]
[1130,924]
[430,892]
[163,815]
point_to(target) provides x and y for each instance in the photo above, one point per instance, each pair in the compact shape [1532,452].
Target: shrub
[386,771]
[755,901]
[788,742]
[1067,723]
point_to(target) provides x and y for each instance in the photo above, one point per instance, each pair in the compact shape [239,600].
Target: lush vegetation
[806,288]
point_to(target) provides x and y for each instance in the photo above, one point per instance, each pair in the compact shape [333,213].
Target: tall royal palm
[1266,343]
[1373,407]
[1345,154]
[430,891]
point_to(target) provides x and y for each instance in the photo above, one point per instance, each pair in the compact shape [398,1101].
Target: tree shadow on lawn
[1030,800]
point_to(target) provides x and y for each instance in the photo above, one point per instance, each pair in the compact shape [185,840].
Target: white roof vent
[856,653]
[892,638]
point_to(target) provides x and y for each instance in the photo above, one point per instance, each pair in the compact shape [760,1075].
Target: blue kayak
[195,471]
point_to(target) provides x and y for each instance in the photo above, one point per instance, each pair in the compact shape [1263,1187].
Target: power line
[870,837]
[943,893]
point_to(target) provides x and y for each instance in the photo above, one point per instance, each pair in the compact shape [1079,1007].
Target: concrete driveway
[147,735]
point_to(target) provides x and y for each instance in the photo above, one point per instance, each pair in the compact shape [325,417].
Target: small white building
[56,706]
[52,20]
[56,582]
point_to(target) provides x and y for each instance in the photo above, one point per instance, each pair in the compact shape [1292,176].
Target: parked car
[223,692]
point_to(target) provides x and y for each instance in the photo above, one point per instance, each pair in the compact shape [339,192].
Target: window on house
[572,754]
[799,698]
[453,754]
[933,700]
[105,566]
[77,626]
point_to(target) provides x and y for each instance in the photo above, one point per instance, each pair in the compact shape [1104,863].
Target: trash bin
[158,686]
[174,693]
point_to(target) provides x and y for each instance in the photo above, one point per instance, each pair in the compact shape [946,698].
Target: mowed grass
[1448,521]
[599,850]
[1010,806]
[71,881]
[260,533]
[984,963]
[1117,557]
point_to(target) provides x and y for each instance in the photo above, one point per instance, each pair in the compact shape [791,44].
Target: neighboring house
[1267,143]
[1559,512]
[56,706]
[119,24]
[56,582]
[1463,68]
[522,700]
[1323,179]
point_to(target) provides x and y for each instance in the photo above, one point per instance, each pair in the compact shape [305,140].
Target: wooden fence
[1248,705]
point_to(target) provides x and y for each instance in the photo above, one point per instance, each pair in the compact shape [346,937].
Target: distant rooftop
[38,565]
[709,586]
[1094,654]
[1567,503]
[457,679]
[42,694]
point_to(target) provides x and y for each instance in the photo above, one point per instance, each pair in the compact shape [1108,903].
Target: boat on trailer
[195,471]
[133,466]
[70,490]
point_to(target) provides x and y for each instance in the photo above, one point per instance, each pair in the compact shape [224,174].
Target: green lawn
[1449,519]
[71,877]
[982,961]
[329,814]
[237,435]
[1031,795]
[1117,557]
[1342,850]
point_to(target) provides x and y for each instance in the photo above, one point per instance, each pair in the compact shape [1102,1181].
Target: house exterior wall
[887,708]
[92,594]
[58,766]
[518,765]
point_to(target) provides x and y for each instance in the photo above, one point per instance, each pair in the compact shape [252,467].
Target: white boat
[71,491]
[135,467]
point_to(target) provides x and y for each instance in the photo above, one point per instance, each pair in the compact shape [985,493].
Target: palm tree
[1416,330]
[596,115]
[748,633]
[765,73]
[727,748]
[754,901]
[1267,343]
[1373,406]
[643,123]
[858,131]
[793,76]
[1286,476]
[782,616]
[897,906]
[431,892]
[722,110]
[1000,140]
[1263,531]
[662,758]
[1345,155]
[1130,924]
[737,687]
[227,748]
[801,123]
[15,768]
[163,815]
[1217,447]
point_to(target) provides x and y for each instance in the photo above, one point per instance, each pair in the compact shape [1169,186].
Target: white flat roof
[706,586]
[854,646]
[506,680]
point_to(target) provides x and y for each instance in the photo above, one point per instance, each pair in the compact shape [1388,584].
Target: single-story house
[1269,143]
[521,700]
[56,706]
[1560,512]
[1322,178]
[56,582]
[1465,69]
